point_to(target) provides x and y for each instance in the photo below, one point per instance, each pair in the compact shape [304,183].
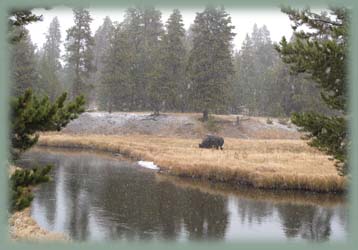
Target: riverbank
[24,228]
[267,164]
[273,196]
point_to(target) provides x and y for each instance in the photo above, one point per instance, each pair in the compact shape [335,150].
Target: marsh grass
[273,164]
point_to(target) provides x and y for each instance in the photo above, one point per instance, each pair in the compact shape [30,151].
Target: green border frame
[5,242]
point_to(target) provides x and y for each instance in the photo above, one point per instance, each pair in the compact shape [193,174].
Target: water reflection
[98,197]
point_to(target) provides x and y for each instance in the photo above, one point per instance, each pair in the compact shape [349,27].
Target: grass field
[274,164]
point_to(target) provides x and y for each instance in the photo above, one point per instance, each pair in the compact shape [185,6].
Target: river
[98,197]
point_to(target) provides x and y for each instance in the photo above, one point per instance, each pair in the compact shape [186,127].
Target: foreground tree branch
[321,53]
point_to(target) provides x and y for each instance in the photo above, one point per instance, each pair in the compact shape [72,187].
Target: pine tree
[321,53]
[133,26]
[52,45]
[49,64]
[21,183]
[79,46]
[23,64]
[18,19]
[210,62]
[115,74]
[144,30]
[264,59]
[245,90]
[102,39]
[29,115]
[150,56]
[263,83]
[293,93]
[186,103]
[173,60]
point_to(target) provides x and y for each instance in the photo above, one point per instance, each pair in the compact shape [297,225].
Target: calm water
[95,197]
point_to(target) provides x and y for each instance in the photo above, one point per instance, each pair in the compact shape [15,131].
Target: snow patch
[148,164]
[278,125]
[285,127]
[96,114]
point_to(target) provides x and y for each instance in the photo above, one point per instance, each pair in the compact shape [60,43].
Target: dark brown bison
[212,141]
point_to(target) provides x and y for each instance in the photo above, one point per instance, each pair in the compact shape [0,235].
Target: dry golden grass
[278,164]
[24,228]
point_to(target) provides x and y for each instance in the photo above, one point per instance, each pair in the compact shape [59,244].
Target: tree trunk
[205,115]
[110,107]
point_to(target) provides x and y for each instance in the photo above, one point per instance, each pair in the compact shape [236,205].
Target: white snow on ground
[282,126]
[182,125]
[275,124]
[148,164]
[126,123]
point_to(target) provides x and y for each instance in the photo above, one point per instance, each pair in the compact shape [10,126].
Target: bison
[212,141]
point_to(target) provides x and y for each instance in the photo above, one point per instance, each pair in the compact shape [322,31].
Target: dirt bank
[23,227]
[183,125]
[272,164]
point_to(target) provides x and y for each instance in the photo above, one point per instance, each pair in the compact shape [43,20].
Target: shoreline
[216,188]
[23,227]
[165,156]
[296,197]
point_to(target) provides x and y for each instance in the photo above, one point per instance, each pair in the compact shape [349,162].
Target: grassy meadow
[269,164]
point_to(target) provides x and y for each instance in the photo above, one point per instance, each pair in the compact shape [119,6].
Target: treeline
[142,64]
[264,85]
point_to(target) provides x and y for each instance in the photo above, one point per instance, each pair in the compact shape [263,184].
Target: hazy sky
[243,20]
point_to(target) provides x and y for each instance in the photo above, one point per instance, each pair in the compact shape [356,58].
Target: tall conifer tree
[102,39]
[79,48]
[210,62]
[49,61]
[173,60]
[144,30]
[24,74]
[115,73]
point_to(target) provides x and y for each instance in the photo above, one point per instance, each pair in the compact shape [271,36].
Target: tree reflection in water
[96,197]
[312,223]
